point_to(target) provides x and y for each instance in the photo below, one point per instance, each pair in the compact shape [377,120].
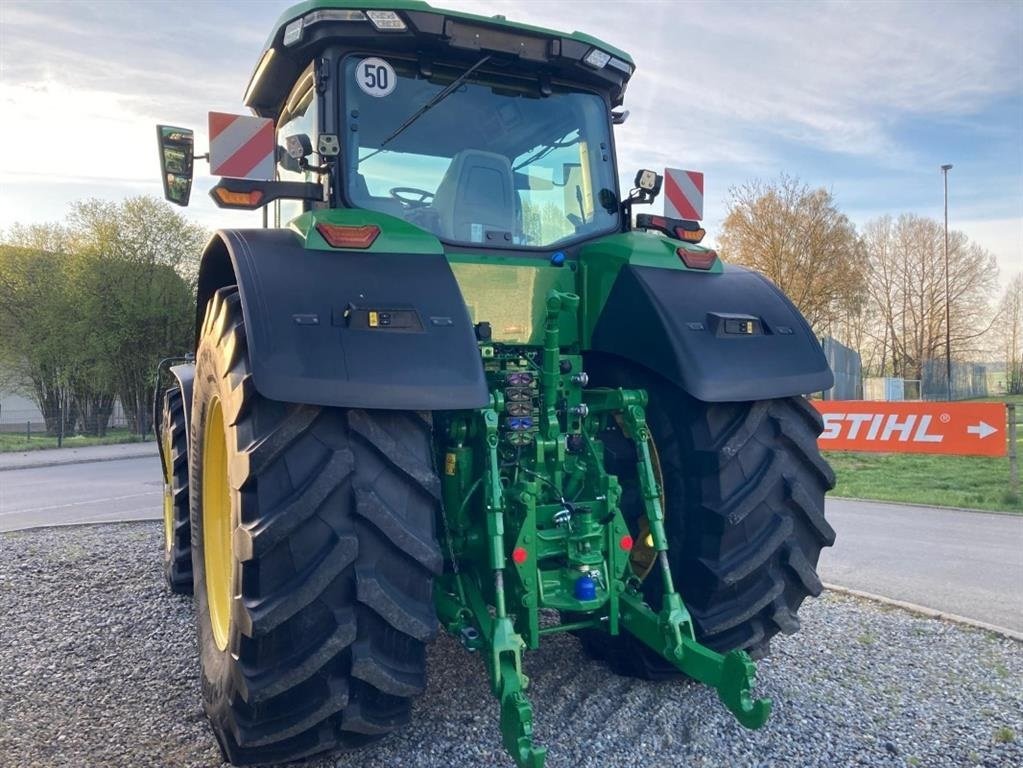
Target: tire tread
[177,565]
[336,550]
[745,519]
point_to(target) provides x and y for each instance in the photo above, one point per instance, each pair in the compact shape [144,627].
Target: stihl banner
[964,429]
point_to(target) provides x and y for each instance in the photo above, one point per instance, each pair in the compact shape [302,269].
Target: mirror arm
[305,165]
[636,196]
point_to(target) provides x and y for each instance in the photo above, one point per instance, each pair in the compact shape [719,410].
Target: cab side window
[299,116]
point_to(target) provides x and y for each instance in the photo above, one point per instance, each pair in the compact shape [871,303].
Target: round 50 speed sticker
[375,77]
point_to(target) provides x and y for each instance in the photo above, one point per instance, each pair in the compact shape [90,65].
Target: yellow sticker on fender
[450,462]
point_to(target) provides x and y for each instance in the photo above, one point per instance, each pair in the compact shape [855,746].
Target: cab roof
[428,31]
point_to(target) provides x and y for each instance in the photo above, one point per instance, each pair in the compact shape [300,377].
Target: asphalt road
[967,563]
[104,491]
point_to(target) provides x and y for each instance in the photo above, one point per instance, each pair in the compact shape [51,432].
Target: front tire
[744,487]
[313,533]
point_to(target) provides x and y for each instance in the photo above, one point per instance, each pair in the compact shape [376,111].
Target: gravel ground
[98,668]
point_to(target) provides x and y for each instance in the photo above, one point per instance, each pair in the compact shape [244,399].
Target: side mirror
[177,146]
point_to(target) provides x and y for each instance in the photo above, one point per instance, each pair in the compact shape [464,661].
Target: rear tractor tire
[177,526]
[315,551]
[743,490]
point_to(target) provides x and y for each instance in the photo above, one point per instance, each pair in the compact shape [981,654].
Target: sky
[865,99]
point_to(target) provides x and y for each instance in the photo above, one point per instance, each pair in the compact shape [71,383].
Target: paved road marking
[78,503]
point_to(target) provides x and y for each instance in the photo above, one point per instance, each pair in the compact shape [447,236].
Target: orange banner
[963,429]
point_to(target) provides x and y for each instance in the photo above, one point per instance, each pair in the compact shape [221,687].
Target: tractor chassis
[531,521]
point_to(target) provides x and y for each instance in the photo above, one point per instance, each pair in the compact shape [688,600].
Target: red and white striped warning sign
[683,194]
[241,147]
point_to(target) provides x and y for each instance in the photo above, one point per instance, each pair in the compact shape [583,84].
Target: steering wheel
[411,197]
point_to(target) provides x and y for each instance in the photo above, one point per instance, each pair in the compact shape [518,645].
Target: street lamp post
[948,309]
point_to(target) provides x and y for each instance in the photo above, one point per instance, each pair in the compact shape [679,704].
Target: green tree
[87,309]
[138,262]
[138,230]
[36,350]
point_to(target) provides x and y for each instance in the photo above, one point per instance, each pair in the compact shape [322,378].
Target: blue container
[585,588]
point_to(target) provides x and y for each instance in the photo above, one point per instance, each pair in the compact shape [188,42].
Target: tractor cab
[479,131]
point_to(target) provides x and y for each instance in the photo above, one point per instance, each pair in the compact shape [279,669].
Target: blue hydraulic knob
[585,588]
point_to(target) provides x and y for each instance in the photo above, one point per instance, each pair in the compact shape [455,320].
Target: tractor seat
[477,194]
[359,194]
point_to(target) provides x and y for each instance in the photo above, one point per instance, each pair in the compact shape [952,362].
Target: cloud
[832,76]
[1002,237]
[83,86]
[738,89]
[52,129]
[158,58]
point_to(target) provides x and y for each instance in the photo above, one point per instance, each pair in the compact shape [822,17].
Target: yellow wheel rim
[168,491]
[216,524]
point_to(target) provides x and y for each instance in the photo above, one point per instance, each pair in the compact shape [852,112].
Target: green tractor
[456,383]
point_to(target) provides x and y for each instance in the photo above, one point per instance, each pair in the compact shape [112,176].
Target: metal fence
[32,423]
[890,389]
[848,369]
[969,380]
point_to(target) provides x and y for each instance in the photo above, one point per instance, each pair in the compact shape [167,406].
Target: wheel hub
[168,491]
[216,524]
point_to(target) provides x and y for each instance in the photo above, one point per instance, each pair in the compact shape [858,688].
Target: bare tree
[798,238]
[906,288]
[1010,319]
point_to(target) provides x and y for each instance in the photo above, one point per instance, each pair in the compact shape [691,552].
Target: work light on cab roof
[455,382]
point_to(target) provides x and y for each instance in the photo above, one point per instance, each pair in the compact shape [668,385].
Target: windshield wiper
[437,99]
[546,149]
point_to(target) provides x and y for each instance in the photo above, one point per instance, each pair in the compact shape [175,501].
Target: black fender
[721,337]
[309,330]
[184,375]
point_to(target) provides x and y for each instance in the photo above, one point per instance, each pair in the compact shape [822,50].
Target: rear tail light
[690,235]
[703,259]
[680,229]
[340,236]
